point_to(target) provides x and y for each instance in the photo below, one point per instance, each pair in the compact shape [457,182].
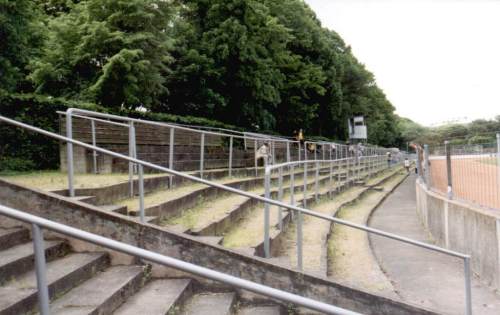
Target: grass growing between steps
[209,211]
[315,230]
[350,259]
[54,180]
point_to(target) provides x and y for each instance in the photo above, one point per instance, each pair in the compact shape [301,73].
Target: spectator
[389,159]
[263,154]
[407,165]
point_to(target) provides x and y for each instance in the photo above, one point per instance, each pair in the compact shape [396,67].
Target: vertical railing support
[202,153]
[141,193]
[280,197]
[230,156]
[299,240]
[448,169]
[426,170]
[498,161]
[299,159]
[267,187]
[316,182]
[131,153]
[255,157]
[468,294]
[304,191]
[292,185]
[171,155]
[330,180]
[40,269]
[69,153]
[94,142]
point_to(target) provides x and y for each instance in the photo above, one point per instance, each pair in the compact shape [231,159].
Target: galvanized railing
[378,164]
[38,223]
[339,150]
[141,164]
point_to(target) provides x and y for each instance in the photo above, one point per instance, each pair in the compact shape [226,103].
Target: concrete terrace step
[102,294]
[159,297]
[86,199]
[19,296]
[260,310]
[20,258]
[210,303]
[215,240]
[13,236]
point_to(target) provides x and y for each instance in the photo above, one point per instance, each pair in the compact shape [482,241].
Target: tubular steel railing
[70,142]
[469,173]
[378,163]
[37,223]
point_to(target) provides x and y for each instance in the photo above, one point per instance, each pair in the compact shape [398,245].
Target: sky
[437,60]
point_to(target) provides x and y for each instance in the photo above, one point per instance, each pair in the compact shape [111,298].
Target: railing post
[280,198]
[330,180]
[94,153]
[305,151]
[255,157]
[40,268]
[202,153]
[141,193]
[131,138]
[299,151]
[468,294]
[171,155]
[273,144]
[299,240]
[230,156]
[69,153]
[425,166]
[498,161]
[304,191]
[288,151]
[267,187]
[316,182]
[292,185]
[448,169]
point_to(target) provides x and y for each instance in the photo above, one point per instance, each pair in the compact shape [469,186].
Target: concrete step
[19,296]
[102,294]
[86,199]
[159,297]
[20,258]
[260,310]
[210,303]
[214,240]
[114,208]
[13,236]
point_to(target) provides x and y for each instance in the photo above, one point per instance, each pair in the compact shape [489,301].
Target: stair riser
[119,297]
[16,268]
[13,239]
[57,288]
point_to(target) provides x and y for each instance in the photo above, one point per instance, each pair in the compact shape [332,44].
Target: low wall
[464,228]
[188,248]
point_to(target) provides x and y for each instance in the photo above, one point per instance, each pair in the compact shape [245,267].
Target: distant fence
[465,172]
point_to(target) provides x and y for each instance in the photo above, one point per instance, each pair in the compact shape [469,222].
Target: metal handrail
[40,264]
[268,171]
[265,199]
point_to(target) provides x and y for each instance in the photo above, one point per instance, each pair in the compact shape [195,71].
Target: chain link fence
[469,172]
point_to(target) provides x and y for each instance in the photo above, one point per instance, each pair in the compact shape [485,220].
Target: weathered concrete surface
[188,248]
[102,294]
[210,303]
[157,298]
[465,228]
[420,276]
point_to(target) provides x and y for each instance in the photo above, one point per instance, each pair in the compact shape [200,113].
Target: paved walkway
[422,277]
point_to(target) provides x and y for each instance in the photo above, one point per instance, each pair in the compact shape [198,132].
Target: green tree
[20,39]
[113,52]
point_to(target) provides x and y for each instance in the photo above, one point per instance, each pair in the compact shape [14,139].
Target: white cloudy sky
[437,60]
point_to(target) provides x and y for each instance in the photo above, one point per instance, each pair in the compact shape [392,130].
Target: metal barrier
[38,223]
[373,168]
[469,173]
[131,125]
[265,199]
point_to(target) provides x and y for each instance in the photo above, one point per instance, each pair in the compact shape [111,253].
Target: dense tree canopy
[260,64]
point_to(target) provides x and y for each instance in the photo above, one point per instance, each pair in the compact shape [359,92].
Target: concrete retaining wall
[463,228]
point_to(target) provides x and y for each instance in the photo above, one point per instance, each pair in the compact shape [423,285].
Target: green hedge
[21,150]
